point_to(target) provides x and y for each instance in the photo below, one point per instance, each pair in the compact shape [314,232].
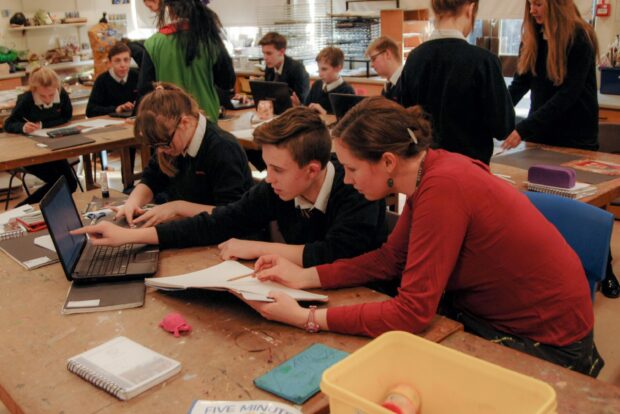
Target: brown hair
[43,77]
[382,44]
[117,49]
[273,38]
[378,125]
[562,23]
[166,104]
[332,55]
[449,8]
[302,131]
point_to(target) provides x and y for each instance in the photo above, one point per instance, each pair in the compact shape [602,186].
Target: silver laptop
[83,262]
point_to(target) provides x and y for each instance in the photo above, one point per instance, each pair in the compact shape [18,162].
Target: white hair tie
[412,135]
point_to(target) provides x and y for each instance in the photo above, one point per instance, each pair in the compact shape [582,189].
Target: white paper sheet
[46,242]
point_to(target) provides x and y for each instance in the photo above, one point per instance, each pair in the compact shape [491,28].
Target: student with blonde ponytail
[45,105]
[458,84]
[557,64]
[196,164]
[515,281]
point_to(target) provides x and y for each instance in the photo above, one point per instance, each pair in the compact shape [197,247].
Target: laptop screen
[61,217]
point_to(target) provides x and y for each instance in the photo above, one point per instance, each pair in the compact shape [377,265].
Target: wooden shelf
[45,26]
[406,27]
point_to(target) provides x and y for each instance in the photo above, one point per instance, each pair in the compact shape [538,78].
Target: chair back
[586,228]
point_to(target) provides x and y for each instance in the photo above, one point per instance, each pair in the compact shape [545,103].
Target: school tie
[388,87]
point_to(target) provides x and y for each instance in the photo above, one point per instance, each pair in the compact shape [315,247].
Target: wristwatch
[312,325]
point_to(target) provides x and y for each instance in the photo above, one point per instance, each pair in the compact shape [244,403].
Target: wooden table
[19,151]
[576,393]
[229,346]
[241,121]
[606,191]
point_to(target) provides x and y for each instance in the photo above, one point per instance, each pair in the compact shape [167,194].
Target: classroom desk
[19,151]
[229,346]
[606,191]
[239,124]
[576,393]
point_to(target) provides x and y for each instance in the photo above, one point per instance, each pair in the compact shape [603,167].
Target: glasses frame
[168,145]
[376,55]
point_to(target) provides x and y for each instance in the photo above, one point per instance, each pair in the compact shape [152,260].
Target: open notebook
[233,276]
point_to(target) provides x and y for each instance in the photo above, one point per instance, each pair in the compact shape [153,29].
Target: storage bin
[610,81]
[448,381]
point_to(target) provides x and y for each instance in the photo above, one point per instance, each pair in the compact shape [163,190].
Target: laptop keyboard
[110,260]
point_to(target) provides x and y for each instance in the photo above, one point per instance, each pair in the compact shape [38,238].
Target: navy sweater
[564,115]
[60,113]
[462,88]
[318,95]
[350,226]
[107,93]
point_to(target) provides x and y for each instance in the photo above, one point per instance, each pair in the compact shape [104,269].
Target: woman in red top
[506,271]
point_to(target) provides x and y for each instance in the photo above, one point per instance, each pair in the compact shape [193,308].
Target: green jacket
[196,79]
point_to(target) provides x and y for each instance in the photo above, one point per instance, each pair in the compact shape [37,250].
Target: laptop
[278,92]
[83,262]
[342,102]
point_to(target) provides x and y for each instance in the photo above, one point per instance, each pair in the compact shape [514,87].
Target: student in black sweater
[385,58]
[196,165]
[558,66]
[320,217]
[330,61]
[458,84]
[46,105]
[283,68]
[557,63]
[117,89]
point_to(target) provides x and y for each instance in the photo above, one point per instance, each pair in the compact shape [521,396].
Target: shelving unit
[407,27]
[44,26]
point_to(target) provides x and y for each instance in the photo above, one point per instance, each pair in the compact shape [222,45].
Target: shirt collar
[38,102]
[199,134]
[328,87]
[323,197]
[396,75]
[279,70]
[122,80]
[447,34]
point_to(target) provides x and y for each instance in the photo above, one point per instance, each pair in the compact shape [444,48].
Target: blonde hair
[382,44]
[156,111]
[43,77]
[562,23]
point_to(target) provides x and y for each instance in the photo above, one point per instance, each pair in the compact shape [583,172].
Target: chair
[22,176]
[586,228]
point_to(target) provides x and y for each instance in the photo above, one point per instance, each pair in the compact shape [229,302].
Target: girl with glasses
[196,164]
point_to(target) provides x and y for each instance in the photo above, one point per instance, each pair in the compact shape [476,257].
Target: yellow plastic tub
[448,381]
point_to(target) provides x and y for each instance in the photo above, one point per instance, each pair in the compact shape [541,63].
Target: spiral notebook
[123,367]
[579,190]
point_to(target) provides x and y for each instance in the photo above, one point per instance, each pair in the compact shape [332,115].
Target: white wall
[608,27]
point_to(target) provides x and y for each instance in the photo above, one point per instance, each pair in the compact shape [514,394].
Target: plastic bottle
[105,188]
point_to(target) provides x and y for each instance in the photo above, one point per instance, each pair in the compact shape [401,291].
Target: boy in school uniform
[385,59]
[330,61]
[321,218]
[117,89]
[283,68]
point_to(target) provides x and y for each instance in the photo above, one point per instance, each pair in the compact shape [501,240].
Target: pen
[241,277]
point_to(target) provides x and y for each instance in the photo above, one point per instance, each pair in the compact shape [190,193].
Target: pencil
[241,277]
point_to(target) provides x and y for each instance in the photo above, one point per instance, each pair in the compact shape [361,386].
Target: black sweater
[60,113]
[565,115]
[350,226]
[107,93]
[218,175]
[318,95]
[462,88]
[294,74]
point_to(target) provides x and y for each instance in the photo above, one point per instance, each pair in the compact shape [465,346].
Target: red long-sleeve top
[468,232]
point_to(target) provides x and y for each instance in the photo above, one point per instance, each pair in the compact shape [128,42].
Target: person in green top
[188,51]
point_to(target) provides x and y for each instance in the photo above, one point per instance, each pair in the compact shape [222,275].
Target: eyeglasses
[375,56]
[167,145]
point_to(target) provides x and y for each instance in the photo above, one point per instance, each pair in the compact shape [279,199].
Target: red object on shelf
[603,9]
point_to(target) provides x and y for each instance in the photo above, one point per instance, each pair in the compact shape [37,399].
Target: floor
[607,327]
